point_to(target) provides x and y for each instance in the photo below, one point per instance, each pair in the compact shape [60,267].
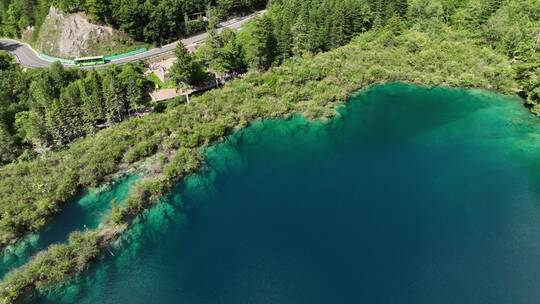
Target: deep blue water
[411,195]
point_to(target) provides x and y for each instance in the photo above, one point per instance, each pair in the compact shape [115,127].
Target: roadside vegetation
[292,28]
[46,109]
[466,43]
[157,22]
[156,82]
[289,29]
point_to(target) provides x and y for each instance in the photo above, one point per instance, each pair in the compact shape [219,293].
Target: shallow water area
[84,212]
[411,195]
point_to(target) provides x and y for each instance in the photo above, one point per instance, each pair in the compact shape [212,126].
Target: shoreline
[110,233]
[321,99]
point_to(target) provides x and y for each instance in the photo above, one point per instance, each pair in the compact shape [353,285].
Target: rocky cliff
[74,35]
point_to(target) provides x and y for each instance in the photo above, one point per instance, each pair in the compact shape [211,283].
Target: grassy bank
[312,85]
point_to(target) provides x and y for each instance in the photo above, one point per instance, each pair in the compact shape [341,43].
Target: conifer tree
[115,101]
[8,148]
[301,37]
[263,44]
[185,69]
[93,107]
[99,10]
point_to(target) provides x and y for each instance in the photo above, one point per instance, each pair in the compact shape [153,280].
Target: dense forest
[49,108]
[154,21]
[292,28]
[303,56]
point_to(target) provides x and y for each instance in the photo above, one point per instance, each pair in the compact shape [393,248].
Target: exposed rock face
[73,35]
[27,33]
[77,32]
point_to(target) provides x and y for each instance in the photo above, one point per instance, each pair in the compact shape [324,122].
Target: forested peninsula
[299,59]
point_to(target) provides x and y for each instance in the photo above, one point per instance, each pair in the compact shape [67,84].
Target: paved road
[25,55]
[29,58]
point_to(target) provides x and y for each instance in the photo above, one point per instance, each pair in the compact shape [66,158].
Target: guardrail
[110,58]
[107,58]
[54,59]
[124,55]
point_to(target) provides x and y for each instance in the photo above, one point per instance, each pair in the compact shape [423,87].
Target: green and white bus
[87,61]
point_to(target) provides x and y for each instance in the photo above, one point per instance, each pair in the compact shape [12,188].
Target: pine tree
[70,102]
[377,8]
[99,10]
[227,54]
[55,122]
[341,29]
[115,101]
[400,8]
[41,94]
[301,38]
[93,107]
[185,70]
[133,84]
[8,148]
[263,44]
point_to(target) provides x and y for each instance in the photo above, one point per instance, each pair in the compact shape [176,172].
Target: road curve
[25,55]
[29,58]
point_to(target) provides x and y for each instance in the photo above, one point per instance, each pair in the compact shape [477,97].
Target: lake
[410,195]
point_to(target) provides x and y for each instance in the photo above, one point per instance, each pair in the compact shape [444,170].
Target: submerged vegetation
[313,85]
[448,43]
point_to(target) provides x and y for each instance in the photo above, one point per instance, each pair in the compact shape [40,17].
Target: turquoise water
[86,211]
[411,195]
